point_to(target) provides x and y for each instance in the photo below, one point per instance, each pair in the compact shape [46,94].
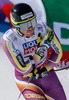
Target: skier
[34,50]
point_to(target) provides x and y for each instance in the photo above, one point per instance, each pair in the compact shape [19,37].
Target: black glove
[37,73]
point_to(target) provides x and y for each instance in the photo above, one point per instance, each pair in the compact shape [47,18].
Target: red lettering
[30,50]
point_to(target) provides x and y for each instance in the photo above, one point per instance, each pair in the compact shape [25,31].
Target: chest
[30,47]
[27,46]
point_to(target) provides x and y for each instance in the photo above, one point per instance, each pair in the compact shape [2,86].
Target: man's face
[29,32]
[27,28]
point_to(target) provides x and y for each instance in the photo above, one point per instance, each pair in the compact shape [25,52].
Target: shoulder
[41,27]
[10,34]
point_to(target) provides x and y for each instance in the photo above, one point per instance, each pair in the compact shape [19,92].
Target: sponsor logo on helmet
[30,14]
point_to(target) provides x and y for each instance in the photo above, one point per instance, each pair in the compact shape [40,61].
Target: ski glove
[41,51]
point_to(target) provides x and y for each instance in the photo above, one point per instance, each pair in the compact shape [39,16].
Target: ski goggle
[30,23]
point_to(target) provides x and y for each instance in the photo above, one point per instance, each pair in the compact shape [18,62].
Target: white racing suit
[19,48]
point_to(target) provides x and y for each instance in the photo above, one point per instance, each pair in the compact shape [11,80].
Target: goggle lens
[30,23]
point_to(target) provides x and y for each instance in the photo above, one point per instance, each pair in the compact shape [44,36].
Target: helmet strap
[18,31]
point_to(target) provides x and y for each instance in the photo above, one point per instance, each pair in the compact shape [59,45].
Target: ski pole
[61,69]
[30,79]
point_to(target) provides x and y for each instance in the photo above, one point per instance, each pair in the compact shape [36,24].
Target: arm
[15,57]
[55,51]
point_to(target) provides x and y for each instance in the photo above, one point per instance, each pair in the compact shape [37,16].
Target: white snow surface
[8,88]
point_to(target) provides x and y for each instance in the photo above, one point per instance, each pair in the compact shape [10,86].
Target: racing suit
[19,48]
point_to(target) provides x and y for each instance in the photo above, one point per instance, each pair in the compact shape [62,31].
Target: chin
[30,34]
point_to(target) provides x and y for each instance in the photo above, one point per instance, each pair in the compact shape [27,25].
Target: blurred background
[56,15]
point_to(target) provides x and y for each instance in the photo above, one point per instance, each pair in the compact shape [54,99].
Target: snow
[8,88]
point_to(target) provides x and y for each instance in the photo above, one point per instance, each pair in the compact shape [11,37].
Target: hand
[42,50]
[39,73]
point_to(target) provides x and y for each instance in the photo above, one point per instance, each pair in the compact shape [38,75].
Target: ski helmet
[22,16]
